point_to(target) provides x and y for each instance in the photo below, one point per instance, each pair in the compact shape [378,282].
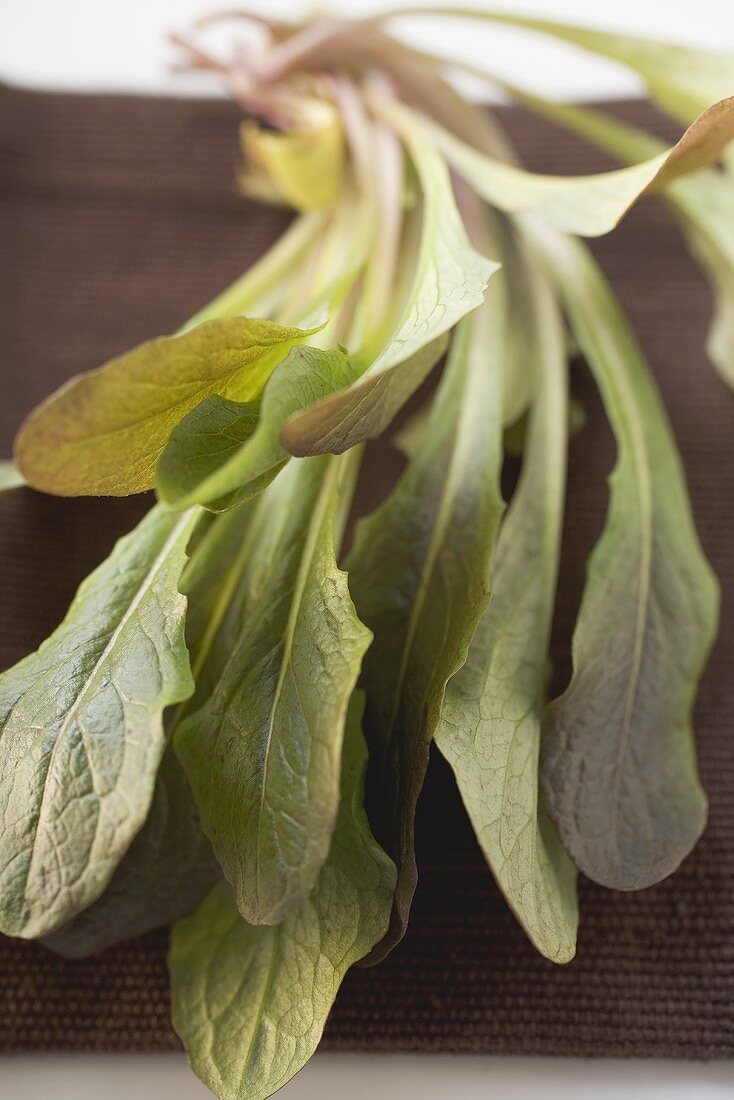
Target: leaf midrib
[304,568]
[144,587]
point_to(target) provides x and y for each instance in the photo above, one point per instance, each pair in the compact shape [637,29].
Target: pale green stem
[266,272]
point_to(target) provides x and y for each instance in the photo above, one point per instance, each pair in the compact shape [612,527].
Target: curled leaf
[303,163]
[704,207]
[585,205]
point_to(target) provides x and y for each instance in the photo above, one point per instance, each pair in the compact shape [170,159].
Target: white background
[121,45]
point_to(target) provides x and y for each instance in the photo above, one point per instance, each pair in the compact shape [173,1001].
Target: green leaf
[165,873]
[223,453]
[448,271]
[10,477]
[704,207]
[250,1002]
[81,728]
[684,81]
[304,163]
[586,205]
[421,588]
[102,433]
[263,754]
[619,755]
[490,726]
[170,866]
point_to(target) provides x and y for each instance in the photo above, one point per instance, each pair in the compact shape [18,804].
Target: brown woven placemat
[118,218]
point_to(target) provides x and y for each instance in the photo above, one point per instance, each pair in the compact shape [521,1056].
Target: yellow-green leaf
[448,272]
[304,164]
[103,433]
[585,205]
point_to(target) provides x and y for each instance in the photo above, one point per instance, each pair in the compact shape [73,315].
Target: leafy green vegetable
[249,1002]
[263,753]
[683,80]
[490,726]
[586,205]
[619,758]
[103,433]
[119,815]
[81,728]
[268,274]
[420,589]
[165,873]
[704,206]
[223,453]
[448,270]
[303,162]
[170,866]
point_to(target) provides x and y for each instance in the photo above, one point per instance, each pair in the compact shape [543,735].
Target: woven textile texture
[119,217]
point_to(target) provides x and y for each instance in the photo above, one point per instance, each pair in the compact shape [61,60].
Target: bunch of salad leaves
[190,745]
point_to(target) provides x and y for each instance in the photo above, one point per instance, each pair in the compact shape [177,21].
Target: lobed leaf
[103,433]
[81,729]
[619,756]
[250,1002]
[263,753]
[490,726]
[420,588]
[449,281]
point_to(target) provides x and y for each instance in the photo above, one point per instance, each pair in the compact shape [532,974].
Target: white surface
[366,1076]
[120,45]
